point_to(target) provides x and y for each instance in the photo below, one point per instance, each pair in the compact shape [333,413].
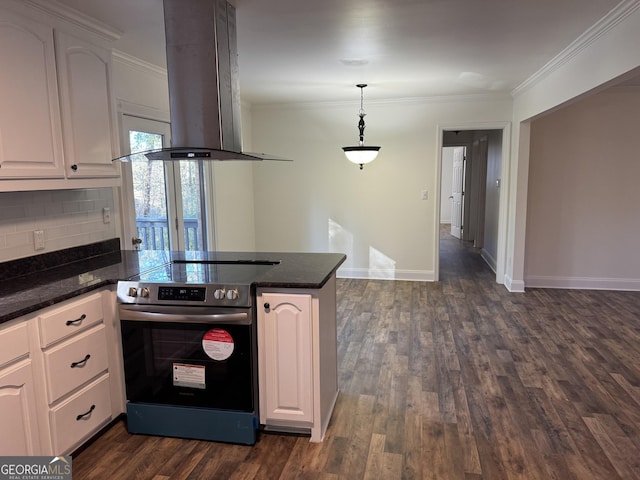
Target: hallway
[460,259]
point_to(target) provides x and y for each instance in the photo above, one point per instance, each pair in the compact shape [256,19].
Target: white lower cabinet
[73,353]
[286,366]
[80,415]
[74,362]
[60,376]
[20,433]
[297,358]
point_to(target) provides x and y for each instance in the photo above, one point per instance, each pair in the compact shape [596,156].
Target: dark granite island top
[27,285]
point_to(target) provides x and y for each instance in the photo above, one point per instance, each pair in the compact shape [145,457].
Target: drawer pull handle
[81,363]
[77,320]
[81,416]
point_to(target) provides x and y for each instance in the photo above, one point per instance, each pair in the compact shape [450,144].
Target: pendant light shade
[361,154]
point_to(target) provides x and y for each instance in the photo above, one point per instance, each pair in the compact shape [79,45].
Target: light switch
[425,195]
[106,215]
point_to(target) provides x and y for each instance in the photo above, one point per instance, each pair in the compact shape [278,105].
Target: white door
[456,191]
[165,200]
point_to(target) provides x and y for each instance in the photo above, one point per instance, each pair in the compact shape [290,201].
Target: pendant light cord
[361,113]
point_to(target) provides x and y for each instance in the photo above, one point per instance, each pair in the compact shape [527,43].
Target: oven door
[190,356]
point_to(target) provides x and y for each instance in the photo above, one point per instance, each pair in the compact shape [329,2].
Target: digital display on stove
[196,294]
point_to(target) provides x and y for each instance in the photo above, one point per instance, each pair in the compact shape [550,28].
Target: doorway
[164,206]
[470,206]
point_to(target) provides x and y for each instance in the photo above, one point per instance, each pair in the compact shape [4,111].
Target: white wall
[69,218]
[321,202]
[605,52]
[492,198]
[445,185]
[141,84]
[234,211]
[583,224]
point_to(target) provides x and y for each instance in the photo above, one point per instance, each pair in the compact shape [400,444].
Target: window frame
[175,218]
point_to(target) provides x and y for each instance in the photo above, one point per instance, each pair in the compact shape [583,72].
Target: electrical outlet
[425,195]
[106,215]
[38,239]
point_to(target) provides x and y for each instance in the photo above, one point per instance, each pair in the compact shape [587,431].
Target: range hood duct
[204,90]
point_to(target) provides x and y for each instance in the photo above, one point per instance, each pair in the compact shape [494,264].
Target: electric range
[190,350]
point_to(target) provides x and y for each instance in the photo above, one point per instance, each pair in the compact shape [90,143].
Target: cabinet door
[30,134]
[88,112]
[19,433]
[284,333]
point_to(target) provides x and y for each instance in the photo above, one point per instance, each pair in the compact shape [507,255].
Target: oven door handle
[241,318]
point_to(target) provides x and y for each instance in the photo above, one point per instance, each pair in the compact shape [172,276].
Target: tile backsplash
[68,218]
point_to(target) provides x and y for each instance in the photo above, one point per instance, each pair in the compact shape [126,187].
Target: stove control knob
[144,292]
[232,294]
[219,294]
[133,292]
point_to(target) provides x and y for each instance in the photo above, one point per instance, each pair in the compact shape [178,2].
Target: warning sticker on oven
[191,376]
[218,344]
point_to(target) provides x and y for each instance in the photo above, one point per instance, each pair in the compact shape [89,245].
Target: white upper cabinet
[88,112]
[57,112]
[30,134]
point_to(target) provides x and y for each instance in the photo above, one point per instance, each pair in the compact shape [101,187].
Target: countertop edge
[54,301]
[301,285]
[264,282]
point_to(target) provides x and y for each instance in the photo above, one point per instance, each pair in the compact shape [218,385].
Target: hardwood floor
[451,380]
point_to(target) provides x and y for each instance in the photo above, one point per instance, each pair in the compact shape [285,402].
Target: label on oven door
[218,344]
[191,376]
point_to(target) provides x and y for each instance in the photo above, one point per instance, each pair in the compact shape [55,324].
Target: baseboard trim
[583,283]
[514,286]
[489,260]
[391,274]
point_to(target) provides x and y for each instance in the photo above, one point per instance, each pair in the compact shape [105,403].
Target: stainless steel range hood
[204,96]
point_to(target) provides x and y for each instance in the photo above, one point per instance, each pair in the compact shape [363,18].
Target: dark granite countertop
[54,278]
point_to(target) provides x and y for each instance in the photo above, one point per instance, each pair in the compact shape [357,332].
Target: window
[164,201]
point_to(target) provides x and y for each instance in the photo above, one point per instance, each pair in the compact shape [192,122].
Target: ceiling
[316,51]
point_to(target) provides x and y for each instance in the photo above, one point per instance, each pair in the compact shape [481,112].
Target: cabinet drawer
[80,415]
[65,365]
[14,343]
[70,319]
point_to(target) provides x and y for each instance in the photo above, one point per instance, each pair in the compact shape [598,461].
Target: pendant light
[361,153]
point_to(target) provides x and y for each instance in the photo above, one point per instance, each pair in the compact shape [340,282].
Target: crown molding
[591,35]
[68,14]
[481,97]
[138,64]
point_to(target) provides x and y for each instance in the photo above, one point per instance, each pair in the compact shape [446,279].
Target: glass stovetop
[207,272]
